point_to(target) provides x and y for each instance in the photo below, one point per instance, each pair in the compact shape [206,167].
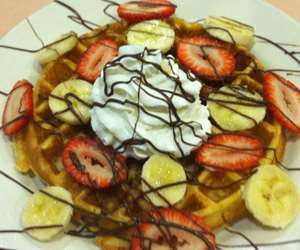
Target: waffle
[39,145]
[225,205]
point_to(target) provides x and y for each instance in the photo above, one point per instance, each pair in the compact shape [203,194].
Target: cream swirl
[144,97]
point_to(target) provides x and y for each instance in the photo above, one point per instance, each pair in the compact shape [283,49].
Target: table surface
[13,11]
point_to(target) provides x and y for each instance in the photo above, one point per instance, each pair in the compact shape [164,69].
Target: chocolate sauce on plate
[77,17]
[280,47]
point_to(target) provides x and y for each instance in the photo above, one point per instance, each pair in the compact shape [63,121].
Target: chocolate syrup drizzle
[26,229]
[121,226]
[106,9]
[230,230]
[163,226]
[242,100]
[284,50]
[77,17]
[48,46]
[86,233]
[286,45]
[279,243]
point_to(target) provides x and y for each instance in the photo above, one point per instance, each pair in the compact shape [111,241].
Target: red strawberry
[233,152]
[135,11]
[170,226]
[95,58]
[283,100]
[92,164]
[206,57]
[18,108]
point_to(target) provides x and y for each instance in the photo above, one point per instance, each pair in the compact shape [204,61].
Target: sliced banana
[58,48]
[272,197]
[160,170]
[154,34]
[236,108]
[72,95]
[42,210]
[228,30]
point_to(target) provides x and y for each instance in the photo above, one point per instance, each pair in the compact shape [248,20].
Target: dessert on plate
[151,132]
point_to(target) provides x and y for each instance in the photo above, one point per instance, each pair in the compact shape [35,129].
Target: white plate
[53,20]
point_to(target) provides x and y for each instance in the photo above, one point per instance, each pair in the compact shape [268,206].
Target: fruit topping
[236,108]
[95,58]
[47,214]
[92,164]
[70,101]
[58,48]
[206,57]
[272,197]
[154,34]
[283,100]
[18,108]
[230,30]
[232,152]
[135,11]
[159,171]
[169,228]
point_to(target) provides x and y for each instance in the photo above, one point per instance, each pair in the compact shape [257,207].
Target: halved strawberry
[283,100]
[206,57]
[95,58]
[92,164]
[18,108]
[135,11]
[170,226]
[232,152]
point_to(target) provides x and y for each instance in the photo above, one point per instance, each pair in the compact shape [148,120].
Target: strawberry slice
[169,228]
[95,58]
[232,152]
[283,100]
[135,11]
[18,108]
[92,164]
[206,57]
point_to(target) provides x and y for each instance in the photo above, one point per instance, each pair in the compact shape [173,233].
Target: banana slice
[58,48]
[272,197]
[158,171]
[236,108]
[42,210]
[220,27]
[78,94]
[154,34]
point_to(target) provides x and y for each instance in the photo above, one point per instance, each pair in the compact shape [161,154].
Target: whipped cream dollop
[145,103]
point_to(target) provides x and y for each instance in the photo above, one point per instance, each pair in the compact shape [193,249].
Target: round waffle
[38,147]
